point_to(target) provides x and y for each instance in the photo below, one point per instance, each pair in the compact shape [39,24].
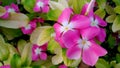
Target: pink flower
[66,22]
[83,46]
[41,6]
[39,52]
[29,28]
[96,21]
[5,66]
[13,8]
[63,66]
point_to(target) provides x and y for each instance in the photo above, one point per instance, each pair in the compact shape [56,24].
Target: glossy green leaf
[53,14]
[118,58]
[16,20]
[4,51]
[77,5]
[116,24]
[41,35]
[101,13]
[111,18]
[26,55]
[109,9]
[101,63]
[117,65]
[4,2]
[111,41]
[11,33]
[21,44]
[112,63]
[15,61]
[28,5]
[117,2]
[56,49]
[101,3]
[117,9]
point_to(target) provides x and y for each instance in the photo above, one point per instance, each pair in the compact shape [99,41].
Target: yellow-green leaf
[41,35]
[1,39]
[16,20]
[101,13]
[109,9]
[2,11]
[116,24]
[117,9]
[111,18]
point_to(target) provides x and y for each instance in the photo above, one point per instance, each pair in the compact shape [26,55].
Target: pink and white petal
[7,7]
[33,24]
[45,1]
[35,57]
[15,7]
[89,57]
[90,33]
[36,8]
[98,49]
[102,35]
[74,52]
[63,66]
[44,47]
[5,66]
[65,15]
[60,41]
[43,56]
[57,27]
[100,21]
[5,16]
[26,31]
[45,9]
[70,38]
[80,21]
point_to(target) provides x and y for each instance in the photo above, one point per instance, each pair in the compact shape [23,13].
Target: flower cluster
[78,33]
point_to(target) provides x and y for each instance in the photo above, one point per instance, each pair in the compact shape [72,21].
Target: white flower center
[40,4]
[28,27]
[66,26]
[38,51]
[84,44]
[11,10]
[94,22]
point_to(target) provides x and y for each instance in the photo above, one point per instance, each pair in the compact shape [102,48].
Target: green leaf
[2,11]
[41,35]
[111,41]
[28,5]
[16,20]
[55,48]
[26,55]
[101,3]
[117,65]
[53,14]
[101,13]
[4,51]
[118,58]
[109,9]
[117,9]
[116,24]
[15,61]
[11,33]
[21,44]
[77,5]
[4,2]
[111,18]
[101,63]
[117,2]
[1,39]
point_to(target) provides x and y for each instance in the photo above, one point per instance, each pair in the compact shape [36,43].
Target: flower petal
[57,28]
[89,57]
[80,21]
[89,33]
[74,52]
[65,15]
[102,35]
[34,56]
[70,38]
[44,47]
[98,49]
[45,9]
[63,66]
[100,21]
[15,7]
[43,56]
